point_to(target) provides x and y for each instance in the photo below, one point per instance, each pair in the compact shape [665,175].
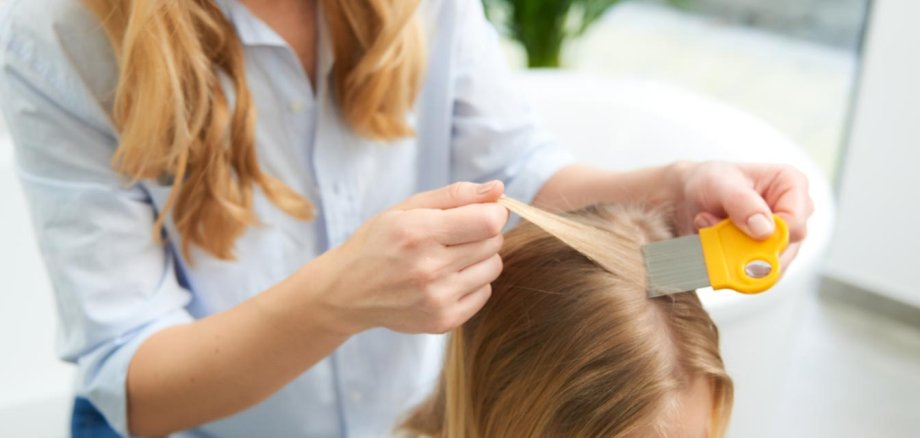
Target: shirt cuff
[104,372]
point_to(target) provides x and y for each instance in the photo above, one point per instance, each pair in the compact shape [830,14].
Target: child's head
[570,345]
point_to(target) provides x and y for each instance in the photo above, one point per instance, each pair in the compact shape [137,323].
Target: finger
[477,275]
[455,195]
[705,219]
[470,223]
[468,254]
[788,255]
[749,211]
[471,303]
[788,195]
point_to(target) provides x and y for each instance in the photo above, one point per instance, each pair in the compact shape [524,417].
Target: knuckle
[424,271]
[443,323]
[795,173]
[496,243]
[438,321]
[408,236]
[495,219]
[456,190]
[447,321]
[432,300]
[491,269]
[423,274]
[497,266]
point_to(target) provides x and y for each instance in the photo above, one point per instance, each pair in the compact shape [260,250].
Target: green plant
[543,26]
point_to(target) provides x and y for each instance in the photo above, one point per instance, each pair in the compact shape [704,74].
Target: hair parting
[569,344]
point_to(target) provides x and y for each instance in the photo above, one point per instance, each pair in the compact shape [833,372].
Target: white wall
[877,244]
[34,385]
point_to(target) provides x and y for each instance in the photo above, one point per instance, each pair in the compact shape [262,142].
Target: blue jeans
[88,422]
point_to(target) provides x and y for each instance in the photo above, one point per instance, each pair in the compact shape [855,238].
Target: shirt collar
[253,32]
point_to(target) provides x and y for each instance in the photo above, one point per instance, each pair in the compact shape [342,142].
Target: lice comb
[721,256]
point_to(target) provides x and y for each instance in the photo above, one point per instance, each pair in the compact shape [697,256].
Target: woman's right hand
[423,266]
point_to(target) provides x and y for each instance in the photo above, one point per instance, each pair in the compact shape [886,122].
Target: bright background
[835,349]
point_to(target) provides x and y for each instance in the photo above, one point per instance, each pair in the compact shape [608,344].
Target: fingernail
[759,225]
[486,187]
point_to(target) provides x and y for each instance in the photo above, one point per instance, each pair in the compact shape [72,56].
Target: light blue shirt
[115,287]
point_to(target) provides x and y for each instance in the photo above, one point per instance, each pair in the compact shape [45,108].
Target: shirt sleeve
[494,134]
[114,286]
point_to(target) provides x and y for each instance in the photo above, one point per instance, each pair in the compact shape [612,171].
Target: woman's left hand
[748,194]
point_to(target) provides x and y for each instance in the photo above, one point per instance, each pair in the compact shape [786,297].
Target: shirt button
[296,106]
[356,396]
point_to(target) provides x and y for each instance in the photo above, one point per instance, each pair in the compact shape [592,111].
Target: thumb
[455,195]
[748,210]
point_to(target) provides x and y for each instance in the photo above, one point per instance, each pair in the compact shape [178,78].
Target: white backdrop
[877,246]
[34,384]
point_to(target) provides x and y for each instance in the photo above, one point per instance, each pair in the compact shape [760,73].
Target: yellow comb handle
[736,261]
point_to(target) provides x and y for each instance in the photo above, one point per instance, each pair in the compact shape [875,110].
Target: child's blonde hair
[570,345]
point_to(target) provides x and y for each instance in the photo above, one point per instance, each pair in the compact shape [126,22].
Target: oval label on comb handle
[757,269]
[736,261]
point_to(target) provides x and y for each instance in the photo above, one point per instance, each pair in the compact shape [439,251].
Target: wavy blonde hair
[570,345]
[175,120]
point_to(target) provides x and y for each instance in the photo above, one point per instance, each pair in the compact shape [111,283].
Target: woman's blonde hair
[176,121]
[570,345]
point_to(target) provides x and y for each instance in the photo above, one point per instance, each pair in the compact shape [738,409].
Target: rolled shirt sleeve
[494,134]
[114,285]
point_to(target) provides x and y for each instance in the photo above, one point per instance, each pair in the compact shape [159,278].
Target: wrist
[323,278]
[674,178]
[299,305]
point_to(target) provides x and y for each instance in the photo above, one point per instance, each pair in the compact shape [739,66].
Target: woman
[570,345]
[280,152]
